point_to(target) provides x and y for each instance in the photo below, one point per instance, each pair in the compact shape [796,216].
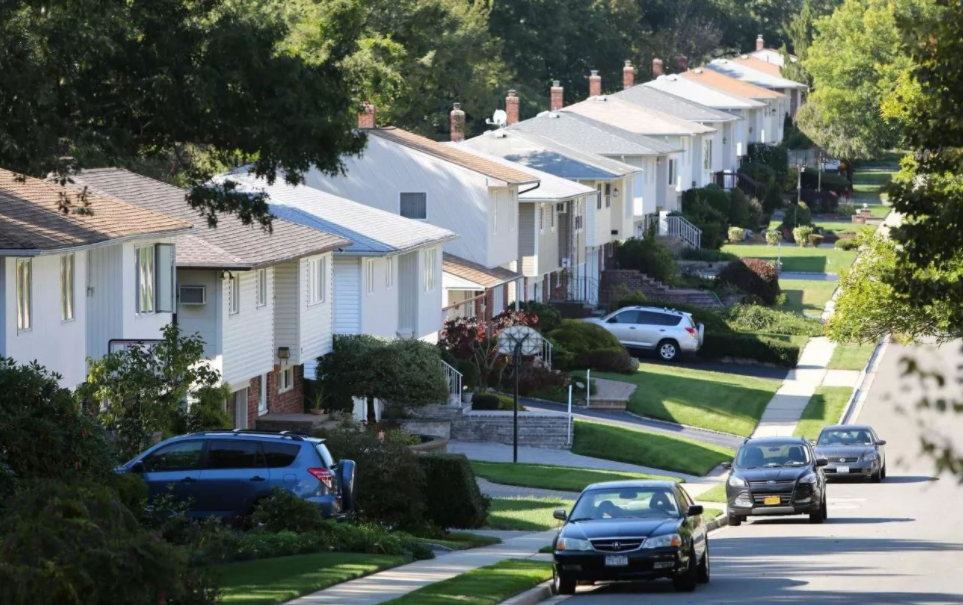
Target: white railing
[546,355]
[454,378]
[681,228]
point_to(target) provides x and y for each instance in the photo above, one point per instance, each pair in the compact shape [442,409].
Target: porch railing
[680,227]
[546,355]
[454,378]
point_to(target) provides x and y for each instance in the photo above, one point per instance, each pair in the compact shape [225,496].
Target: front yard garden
[796,258]
[824,408]
[562,478]
[484,586]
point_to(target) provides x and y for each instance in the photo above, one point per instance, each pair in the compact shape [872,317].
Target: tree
[142,390]
[123,83]
[476,340]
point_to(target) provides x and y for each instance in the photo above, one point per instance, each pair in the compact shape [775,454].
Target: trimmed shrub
[650,256]
[283,511]
[609,360]
[797,215]
[453,498]
[754,318]
[548,316]
[764,348]
[815,239]
[801,235]
[534,378]
[774,156]
[849,243]
[707,255]
[772,199]
[773,237]
[206,412]
[736,235]
[562,358]
[492,402]
[708,209]
[846,209]
[131,491]
[740,212]
[752,276]
[594,347]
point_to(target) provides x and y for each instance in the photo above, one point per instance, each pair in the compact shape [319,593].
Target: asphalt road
[896,542]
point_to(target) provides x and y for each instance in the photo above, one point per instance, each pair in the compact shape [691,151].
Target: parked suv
[666,331]
[225,473]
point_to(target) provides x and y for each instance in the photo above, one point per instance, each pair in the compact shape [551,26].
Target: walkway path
[787,405]
[394,583]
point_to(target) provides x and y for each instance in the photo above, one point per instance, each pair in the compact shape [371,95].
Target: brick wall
[253,395]
[291,402]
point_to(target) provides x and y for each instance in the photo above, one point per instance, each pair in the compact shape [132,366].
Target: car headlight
[735,481]
[663,541]
[869,456]
[810,479]
[572,544]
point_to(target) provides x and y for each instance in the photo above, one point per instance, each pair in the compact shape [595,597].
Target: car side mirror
[612,320]
[137,467]
[695,510]
[821,462]
[560,514]
[881,442]
[727,465]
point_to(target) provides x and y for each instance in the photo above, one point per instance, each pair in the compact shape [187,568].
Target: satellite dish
[499,118]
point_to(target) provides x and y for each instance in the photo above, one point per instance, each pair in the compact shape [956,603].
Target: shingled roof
[32,222]
[730,85]
[475,273]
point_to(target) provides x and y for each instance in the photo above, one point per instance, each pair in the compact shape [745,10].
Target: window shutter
[164,276]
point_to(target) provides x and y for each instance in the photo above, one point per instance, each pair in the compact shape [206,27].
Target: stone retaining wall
[431,428]
[534,429]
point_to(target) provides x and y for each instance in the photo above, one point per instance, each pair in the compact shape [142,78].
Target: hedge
[776,349]
[454,499]
[752,276]
[593,346]
[491,402]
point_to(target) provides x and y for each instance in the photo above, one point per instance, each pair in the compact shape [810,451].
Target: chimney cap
[628,63]
[595,72]
[511,92]
[556,83]
[759,37]
[456,107]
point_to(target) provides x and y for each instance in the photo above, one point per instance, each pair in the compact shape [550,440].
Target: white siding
[412,289]
[548,259]
[598,222]
[203,319]
[347,295]
[429,302]
[287,304]
[248,335]
[498,304]
[380,308]
[55,344]
[315,321]
[527,237]
[503,238]
[106,308]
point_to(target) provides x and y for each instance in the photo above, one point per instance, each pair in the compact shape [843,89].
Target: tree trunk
[372,416]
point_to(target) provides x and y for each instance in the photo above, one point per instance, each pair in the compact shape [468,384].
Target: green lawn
[484,586]
[564,478]
[460,540]
[714,494]
[711,513]
[711,400]
[879,211]
[825,407]
[839,226]
[875,178]
[270,581]
[796,258]
[851,356]
[525,514]
[865,192]
[806,295]
[647,449]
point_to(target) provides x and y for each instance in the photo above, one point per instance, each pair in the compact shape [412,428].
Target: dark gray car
[853,450]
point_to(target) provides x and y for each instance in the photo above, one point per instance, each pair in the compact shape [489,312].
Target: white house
[263,302]
[423,180]
[765,75]
[770,55]
[76,285]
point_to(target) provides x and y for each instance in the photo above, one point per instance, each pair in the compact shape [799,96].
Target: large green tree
[119,82]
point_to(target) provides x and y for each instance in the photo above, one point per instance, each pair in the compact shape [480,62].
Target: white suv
[666,331]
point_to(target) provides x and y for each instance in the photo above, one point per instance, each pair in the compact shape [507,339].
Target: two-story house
[262,301]
[74,285]
[414,177]
[765,75]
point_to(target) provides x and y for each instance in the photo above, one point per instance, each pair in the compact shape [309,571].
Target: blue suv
[225,473]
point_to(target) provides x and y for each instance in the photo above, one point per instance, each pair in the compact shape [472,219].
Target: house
[74,285]
[383,279]
[414,177]
[770,55]
[263,302]
[758,72]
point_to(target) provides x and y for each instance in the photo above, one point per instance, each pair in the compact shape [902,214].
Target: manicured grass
[549,549]
[805,295]
[564,478]
[525,514]
[460,540]
[270,581]
[876,178]
[710,400]
[879,211]
[839,226]
[796,258]
[647,449]
[715,494]
[825,407]
[484,586]
[711,513]
[851,356]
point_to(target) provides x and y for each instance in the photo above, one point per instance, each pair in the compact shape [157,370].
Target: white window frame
[262,399]
[67,281]
[317,280]
[285,379]
[24,276]
[233,294]
[369,276]
[598,201]
[541,218]
[431,257]
[146,276]
[425,193]
[389,272]
[608,195]
[551,213]
[261,286]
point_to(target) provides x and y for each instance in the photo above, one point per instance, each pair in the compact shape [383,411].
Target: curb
[866,378]
[668,424]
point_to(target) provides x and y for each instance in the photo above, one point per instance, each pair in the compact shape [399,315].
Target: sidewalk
[394,583]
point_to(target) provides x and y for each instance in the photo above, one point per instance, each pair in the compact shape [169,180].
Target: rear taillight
[692,332]
[323,475]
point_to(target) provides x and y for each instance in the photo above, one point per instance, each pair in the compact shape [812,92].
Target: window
[181,456]
[262,288]
[24,294]
[541,219]
[145,280]
[155,278]
[707,154]
[414,206]
[431,256]
[286,379]
[608,195]
[598,201]
[67,287]
[671,172]
[317,280]
[551,216]
[389,272]
[279,455]
[223,454]
[369,272]
[233,294]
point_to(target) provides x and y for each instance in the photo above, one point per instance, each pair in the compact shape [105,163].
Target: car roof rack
[293,435]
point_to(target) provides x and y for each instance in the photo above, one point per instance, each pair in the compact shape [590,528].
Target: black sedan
[628,531]
[853,450]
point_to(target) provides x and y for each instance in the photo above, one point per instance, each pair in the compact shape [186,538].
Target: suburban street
[896,542]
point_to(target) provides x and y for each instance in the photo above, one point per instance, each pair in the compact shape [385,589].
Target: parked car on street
[631,531]
[853,450]
[225,473]
[776,476]
[831,164]
[666,331]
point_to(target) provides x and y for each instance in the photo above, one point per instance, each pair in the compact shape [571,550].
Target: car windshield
[773,455]
[625,503]
[845,437]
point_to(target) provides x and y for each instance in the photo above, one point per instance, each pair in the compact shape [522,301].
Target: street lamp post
[517,341]
[819,167]
[799,170]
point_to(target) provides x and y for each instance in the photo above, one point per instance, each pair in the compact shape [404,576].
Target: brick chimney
[657,68]
[628,75]
[595,84]
[457,124]
[760,43]
[511,107]
[557,96]
[366,117]
[683,62]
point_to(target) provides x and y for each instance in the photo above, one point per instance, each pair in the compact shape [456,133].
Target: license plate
[842,469]
[618,561]
[771,500]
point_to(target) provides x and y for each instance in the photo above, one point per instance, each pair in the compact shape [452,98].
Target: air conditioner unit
[193,295]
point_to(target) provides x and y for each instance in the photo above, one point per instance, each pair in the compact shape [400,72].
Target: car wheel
[688,580]
[346,479]
[668,350]
[819,516]
[877,476]
[735,520]
[704,565]
[882,473]
[562,583]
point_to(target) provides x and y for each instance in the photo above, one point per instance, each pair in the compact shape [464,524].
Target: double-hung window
[155,278]
[431,256]
[369,275]
[608,195]
[145,280]
[598,200]
[24,295]
[414,206]
[389,272]
[317,280]
[233,294]
[67,287]
[286,379]
[262,288]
